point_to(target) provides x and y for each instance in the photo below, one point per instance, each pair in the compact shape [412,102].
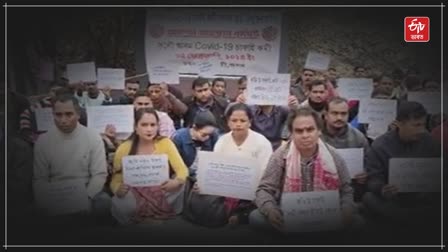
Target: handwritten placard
[81,72]
[317,61]
[377,111]
[268,89]
[355,88]
[62,197]
[44,118]
[167,73]
[121,116]
[311,211]
[226,175]
[111,77]
[354,159]
[415,174]
[430,100]
[145,170]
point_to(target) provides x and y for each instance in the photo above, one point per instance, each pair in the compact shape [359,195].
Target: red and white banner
[228,42]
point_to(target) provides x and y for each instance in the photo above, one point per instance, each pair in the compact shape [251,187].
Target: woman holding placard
[298,172]
[152,195]
[241,141]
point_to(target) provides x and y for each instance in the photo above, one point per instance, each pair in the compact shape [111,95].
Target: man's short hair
[410,110]
[140,93]
[218,79]
[65,98]
[317,82]
[336,100]
[303,112]
[199,82]
[241,80]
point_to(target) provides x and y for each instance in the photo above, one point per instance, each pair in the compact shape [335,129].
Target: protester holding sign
[304,164]
[93,96]
[71,152]
[301,87]
[339,134]
[130,89]
[245,143]
[164,101]
[203,99]
[112,140]
[140,100]
[135,204]
[409,139]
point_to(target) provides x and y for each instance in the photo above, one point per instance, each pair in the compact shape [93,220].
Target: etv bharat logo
[416,29]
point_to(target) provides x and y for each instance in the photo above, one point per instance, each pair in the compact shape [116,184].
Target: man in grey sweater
[71,153]
[339,134]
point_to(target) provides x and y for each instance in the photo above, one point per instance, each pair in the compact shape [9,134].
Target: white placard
[226,175]
[377,111]
[111,77]
[317,61]
[268,89]
[121,116]
[145,170]
[44,118]
[166,73]
[430,100]
[415,174]
[354,159]
[206,70]
[81,72]
[62,197]
[355,88]
[237,42]
[311,211]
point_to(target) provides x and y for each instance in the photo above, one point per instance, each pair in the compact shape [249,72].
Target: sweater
[255,146]
[78,155]
[390,146]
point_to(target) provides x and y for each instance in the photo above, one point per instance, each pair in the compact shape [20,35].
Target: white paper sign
[236,41]
[377,111]
[354,159]
[375,130]
[430,100]
[415,174]
[62,197]
[111,77]
[268,89]
[317,61]
[167,73]
[121,116]
[145,170]
[226,175]
[355,88]
[206,70]
[85,72]
[44,118]
[311,211]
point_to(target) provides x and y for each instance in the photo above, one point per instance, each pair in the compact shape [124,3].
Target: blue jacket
[185,145]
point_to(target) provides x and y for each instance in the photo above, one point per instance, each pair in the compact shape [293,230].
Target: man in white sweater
[71,154]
